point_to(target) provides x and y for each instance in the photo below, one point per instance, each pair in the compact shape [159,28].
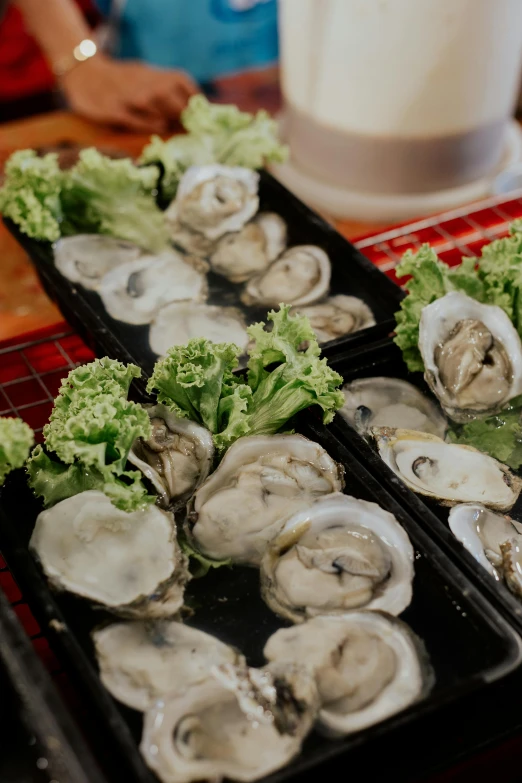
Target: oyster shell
[86,258]
[472,356]
[128,562]
[190,242]
[298,277]
[338,553]
[214,200]
[366,665]
[262,480]
[242,724]
[448,472]
[485,534]
[390,402]
[241,255]
[337,316]
[177,323]
[134,292]
[176,458]
[142,661]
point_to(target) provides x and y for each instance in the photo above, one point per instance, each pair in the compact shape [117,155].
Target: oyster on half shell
[262,480]
[367,666]
[241,724]
[143,661]
[299,277]
[337,316]
[390,402]
[337,554]
[245,253]
[176,458]
[86,258]
[178,322]
[213,200]
[472,356]
[129,563]
[448,472]
[495,541]
[134,292]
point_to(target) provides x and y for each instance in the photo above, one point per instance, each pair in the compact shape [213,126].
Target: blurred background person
[150,55]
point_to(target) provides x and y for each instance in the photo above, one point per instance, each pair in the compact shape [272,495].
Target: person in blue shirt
[149,56]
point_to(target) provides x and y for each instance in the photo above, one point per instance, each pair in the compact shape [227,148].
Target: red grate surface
[461,232]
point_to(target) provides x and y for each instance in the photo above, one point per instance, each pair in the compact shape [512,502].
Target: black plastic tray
[33,714]
[385,359]
[469,644]
[352,274]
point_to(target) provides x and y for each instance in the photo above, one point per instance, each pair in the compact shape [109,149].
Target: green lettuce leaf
[16,438]
[215,134]
[30,195]
[500,436]
[431,279]
[89,435]
[106,196]
[192,378]
[500,267]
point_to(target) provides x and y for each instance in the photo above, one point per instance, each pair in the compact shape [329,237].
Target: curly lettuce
[215,134]
[16,439]
[89,435]
[500,435]
[196,381]
[30,195]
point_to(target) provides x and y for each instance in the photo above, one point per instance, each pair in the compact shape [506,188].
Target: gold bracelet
[80,54]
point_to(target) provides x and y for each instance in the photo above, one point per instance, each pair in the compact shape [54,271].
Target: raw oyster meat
[472,356]
[337,316]
[142,661]
[177,323]
[262,480]
[242,724]
[130,563]
[134,292]
[86,258]
[338,553]
[241,255]
[177,457]
[298,277]
[190,242]
[390,402]
[448,472]
[214,200]
[492,539]
[366,665]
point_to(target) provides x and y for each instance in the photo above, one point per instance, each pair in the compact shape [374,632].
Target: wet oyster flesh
[86,258]
[128,562]
[495,541]
[339,553]
[242,724]
[448,472]
[390,402]
[298,277]
[177,323]
[239,256]
[261,482]
[337,316]
[472,356]
[366,666]
[142,661]
[176,458]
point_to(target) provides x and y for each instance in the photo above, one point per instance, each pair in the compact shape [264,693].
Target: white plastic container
[399,97]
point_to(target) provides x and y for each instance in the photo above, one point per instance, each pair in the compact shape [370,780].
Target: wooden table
[23,305]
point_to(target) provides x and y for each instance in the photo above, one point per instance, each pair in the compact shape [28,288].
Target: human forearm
[57,25]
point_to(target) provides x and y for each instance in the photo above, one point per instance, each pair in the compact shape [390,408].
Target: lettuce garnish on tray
[16,439]
[88,438]
[215,134]
[500,435]
[196,381]
[97,195]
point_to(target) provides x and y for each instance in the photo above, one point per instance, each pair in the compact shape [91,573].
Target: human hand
[130,94]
